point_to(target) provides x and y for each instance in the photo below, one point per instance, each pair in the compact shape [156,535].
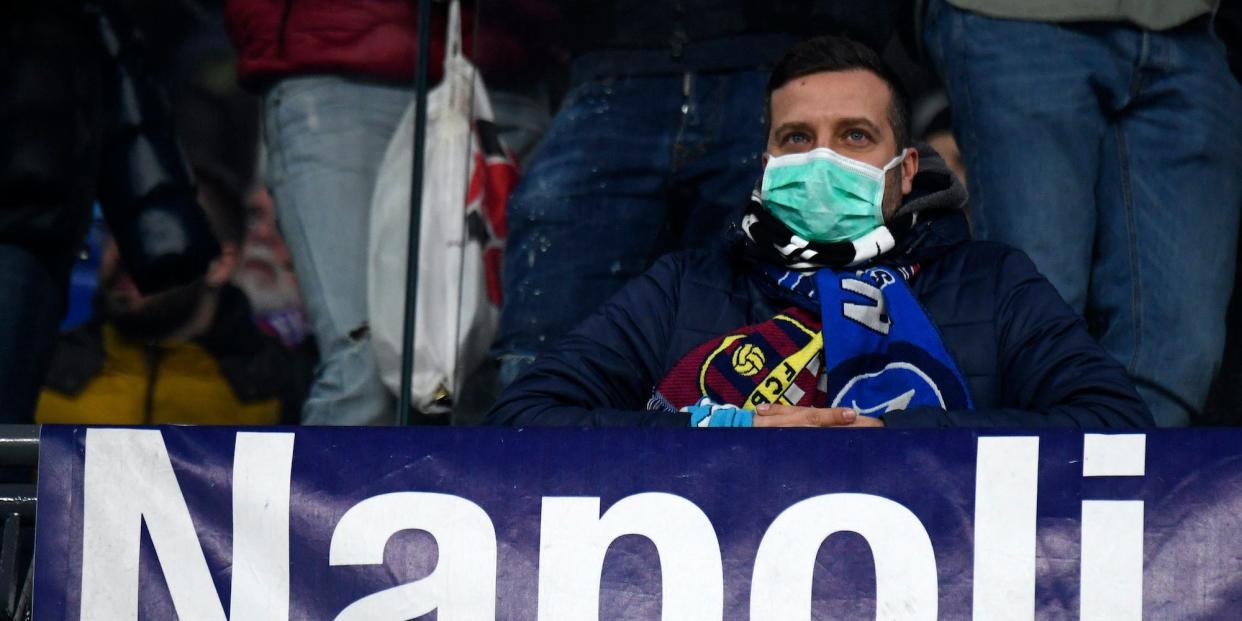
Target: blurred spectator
[336,76]
[1102,138]
[213,118]
[189,355]
[932,123]
[655,148]
[217,123]
[80,118]
[265,273]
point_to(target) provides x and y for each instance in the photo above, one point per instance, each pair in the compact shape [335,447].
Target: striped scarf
[777,244]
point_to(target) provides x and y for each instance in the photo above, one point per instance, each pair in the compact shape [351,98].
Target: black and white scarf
[777,244]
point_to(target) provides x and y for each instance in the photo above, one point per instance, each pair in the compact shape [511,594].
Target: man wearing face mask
[852,296]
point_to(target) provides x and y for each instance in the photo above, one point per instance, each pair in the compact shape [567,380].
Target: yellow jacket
[99,376]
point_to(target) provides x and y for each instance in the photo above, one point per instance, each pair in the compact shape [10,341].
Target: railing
[19,455]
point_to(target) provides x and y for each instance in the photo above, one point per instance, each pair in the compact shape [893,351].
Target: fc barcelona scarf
[870,347]
[777,361]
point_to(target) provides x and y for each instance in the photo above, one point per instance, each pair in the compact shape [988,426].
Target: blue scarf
[881,352]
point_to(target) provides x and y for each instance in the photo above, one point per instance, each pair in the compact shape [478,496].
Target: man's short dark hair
[836,53]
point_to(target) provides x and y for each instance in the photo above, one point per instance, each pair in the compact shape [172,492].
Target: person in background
[853,297]
[218,126]
[81,119]
[265,274]
[335,77]
[1102,138]
[190,355]
[654,148]
[932,123]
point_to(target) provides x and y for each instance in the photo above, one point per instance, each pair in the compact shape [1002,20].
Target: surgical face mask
[823,196]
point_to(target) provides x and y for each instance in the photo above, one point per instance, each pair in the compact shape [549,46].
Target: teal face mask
[823,196]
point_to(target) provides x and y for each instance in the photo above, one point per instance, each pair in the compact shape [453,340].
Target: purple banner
[570,525]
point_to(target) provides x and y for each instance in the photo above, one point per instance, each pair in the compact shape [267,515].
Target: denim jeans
[1113,156]
[631,168]
[33,303]
[325,138]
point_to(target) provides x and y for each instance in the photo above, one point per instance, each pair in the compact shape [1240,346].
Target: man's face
[846,111]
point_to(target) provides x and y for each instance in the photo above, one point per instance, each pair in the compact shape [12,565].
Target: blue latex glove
[706,413]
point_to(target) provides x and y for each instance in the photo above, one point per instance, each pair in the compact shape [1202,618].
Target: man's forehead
[856,93]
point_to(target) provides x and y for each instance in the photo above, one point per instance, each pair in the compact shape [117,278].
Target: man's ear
[220,271]
[909,168]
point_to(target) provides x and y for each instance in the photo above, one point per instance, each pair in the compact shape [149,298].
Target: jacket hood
[932,219]
[935,186]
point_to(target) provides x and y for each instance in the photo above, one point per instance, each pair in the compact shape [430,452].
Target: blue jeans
[325,138]
[631,168]
[1113,156]
[33,304]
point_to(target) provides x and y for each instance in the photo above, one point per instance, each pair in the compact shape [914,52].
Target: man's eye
[797,138]
[857,136]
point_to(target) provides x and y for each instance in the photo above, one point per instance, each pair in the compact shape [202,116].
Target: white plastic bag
[460,242]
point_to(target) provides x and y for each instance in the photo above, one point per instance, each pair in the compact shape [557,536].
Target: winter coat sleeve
[601,375]
[1052,372]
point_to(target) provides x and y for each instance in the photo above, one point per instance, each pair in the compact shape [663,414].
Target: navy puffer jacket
[1026,356]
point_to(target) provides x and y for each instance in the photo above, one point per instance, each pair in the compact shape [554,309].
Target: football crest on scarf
[777,361]
[905,378]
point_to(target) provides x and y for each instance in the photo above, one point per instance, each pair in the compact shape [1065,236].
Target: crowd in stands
[925,213]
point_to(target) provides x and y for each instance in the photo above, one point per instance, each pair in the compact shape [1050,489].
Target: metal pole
[416,204]
[19,445]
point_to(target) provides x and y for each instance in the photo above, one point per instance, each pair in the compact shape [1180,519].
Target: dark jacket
[654,37]
[1026,356]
